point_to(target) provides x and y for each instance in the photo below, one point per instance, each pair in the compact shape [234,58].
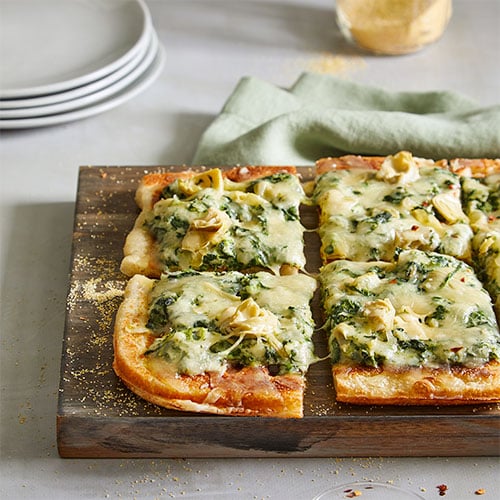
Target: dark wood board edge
[219,437]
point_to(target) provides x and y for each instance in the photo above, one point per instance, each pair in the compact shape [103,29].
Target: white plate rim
[55,87]
[89,99]
[126,94]
[81,91]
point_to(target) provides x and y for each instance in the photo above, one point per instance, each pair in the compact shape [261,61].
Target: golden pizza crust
[151,186]
[140,252]
[347,162]
[475,167]
[251,391]
[479,167]
[417,386]
[241,174]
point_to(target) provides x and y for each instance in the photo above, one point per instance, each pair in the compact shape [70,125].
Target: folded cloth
[324,116]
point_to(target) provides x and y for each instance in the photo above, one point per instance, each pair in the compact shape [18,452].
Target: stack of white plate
[62,60]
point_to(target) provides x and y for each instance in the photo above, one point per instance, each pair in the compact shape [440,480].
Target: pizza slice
[481,198]
[372,207]
[243,219]
[226,343]
[420,330]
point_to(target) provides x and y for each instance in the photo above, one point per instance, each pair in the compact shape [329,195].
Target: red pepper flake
[480,491]
[414,227]
[456,349]
[393,281]
[442,489]
[462,279]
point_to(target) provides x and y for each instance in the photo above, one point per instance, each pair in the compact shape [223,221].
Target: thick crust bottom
[417,386]
[248,392]
[139,252]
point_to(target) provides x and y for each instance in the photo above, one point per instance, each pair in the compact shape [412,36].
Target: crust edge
[417,386]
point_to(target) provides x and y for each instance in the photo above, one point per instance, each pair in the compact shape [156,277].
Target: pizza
[402,333]
[226,343]
[369,210]
[409,247]
[242,219]
[217,314]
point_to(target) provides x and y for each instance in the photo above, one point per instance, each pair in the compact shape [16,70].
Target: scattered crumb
[327,63]
[352,493]
[480,491]
[442,489]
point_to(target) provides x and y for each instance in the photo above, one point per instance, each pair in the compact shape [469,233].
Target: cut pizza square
[373,207]
[420,330]
[244,219]
[226,343]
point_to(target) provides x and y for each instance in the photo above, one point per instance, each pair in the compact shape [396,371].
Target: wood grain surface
[99,417]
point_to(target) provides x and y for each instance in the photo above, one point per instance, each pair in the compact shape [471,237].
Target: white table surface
[210,45]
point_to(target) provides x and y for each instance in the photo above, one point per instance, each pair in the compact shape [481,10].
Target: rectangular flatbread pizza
[244,219]
[419,330]
[409,323]
[216,316]
[226,343]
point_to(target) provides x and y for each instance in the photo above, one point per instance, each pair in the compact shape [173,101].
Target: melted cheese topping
[206,322]
[399,169]
[482,204]
[204,233]
[408,203]
[210,223]
[481,198]
[409,313]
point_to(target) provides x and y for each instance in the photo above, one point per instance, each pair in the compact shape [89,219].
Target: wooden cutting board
[99,417]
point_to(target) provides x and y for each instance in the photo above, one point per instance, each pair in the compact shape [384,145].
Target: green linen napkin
[325,116]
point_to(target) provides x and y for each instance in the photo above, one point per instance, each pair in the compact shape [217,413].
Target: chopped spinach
[291,213]
[343,311]
[374,221]
[477,318]
[438,315]
[158,312]
[397,196]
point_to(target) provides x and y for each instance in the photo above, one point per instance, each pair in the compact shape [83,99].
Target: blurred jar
[393,26]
